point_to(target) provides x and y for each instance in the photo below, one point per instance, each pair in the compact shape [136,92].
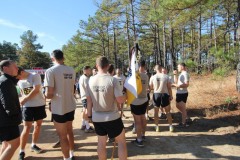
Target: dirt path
[199,141]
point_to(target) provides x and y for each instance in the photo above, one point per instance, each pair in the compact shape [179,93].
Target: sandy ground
[190,143]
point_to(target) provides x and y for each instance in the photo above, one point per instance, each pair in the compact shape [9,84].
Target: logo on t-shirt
[67,76]
[26,91]
[99,88]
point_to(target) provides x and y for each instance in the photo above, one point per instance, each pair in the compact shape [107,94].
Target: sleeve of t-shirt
[49,79]
[88,88]
[117,88]
[186,77]
[36,80]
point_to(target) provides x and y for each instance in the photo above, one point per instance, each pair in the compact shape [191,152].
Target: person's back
[63,79]
[160,82]
[102,94]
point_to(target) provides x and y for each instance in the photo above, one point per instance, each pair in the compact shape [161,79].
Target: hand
[23,101]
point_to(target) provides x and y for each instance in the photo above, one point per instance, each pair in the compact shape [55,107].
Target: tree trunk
[183,39]
[115,47]
[199,42]
[159,45]
[164,45]
[133,21]
[173,56]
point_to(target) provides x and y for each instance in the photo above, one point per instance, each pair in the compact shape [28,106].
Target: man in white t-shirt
[181,83]
[33,103]
[59,82]
[162,96]
[83,83]
[139,107]
[121,80]
[103,94]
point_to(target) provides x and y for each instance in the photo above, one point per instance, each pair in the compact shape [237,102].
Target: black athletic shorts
[63,118]
[161,99]
[181,97]
[111,128]
[139,109]
[9,133]
[84,103]
[33,113]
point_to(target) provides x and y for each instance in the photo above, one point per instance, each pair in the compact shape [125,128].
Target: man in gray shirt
[59,82]
[104,92]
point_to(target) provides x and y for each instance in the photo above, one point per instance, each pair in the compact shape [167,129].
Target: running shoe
[181,125]
[111,140]
[83,127]
[21,156]
[56,145]
[137,143]
[36,149]
[157,128]
[163,116]
[171,128]
[89,130]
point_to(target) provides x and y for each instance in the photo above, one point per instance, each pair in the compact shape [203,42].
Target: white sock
[71,152]
[67,158]
[21,150]
[83,122]
[87,124]
[33,144]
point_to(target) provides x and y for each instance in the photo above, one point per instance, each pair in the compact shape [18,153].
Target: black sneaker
[89,130]
[111,140]
[181,125]
[21,156]
[144,138]
[36,149]
[163,116]
[56,145]
[137,143]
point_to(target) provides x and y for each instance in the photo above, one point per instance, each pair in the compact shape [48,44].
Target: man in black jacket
[10,112]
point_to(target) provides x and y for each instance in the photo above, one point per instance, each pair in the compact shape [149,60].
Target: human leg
[10,148]
[62,133]
[122,147]
[25,134]
[101,149]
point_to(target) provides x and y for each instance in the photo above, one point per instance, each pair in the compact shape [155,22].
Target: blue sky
[54,21]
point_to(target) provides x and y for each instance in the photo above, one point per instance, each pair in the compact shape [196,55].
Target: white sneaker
[157,128]
[171,128]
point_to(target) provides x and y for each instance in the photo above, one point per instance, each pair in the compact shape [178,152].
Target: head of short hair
[111,68]
[86,68]
[20,69]
[57,54]
[142,63]
[5,63]
[102,62]
[182,64]
[158,67]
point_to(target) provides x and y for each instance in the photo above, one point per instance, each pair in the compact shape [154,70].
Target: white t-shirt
[83,82]
[183,78]
[159,82]
[103,90]
[121,80]
[26,87]
[62,78]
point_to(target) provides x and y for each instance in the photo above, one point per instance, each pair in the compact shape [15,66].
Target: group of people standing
[102,96]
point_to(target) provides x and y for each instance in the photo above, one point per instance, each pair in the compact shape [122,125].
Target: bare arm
[170,90]
[89,106]
[33,93]
[49,92]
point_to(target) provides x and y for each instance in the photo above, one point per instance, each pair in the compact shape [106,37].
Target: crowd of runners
[103,98]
